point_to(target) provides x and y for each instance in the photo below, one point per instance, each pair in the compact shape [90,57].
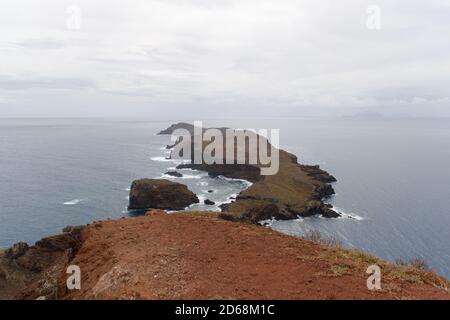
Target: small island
[295,191]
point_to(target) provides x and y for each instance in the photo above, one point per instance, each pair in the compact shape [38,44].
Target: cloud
[299,55]
[40,43]
[9,83]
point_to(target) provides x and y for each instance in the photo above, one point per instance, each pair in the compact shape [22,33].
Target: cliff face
[28,272]
[200,256]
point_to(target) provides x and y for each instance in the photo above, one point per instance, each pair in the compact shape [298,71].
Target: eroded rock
[174,174]
[160,194]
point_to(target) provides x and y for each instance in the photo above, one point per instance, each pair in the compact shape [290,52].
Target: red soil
[199,256]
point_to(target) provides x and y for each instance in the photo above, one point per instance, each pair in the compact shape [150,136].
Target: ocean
[393,178]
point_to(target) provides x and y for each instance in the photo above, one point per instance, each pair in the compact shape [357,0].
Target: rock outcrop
[31,272]
[174,174]
[318,174]
[160,194]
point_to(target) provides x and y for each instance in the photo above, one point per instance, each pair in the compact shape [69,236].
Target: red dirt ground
[199,256]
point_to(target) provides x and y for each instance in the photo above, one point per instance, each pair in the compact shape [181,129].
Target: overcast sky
[224,58]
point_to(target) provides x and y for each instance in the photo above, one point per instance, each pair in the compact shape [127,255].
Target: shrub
[417,263]
[316,237]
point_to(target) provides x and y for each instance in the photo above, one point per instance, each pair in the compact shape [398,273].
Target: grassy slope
[290,186]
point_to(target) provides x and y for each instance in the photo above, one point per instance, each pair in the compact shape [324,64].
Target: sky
[228,58]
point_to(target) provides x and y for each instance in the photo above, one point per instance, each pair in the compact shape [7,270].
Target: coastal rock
[209,202]
[174,174]
[323,190]
[32,271]
[17,250]
[160,194]
[69,239]
[318,174]
[254,215]
[317,208]
[261,213]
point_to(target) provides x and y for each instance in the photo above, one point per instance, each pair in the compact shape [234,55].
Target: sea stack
[160,194]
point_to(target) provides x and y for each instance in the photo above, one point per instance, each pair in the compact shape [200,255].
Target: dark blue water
[392,174]
[62,172]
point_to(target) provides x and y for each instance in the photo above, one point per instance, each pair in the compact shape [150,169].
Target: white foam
[167,176]
[245,182]
[190,169]
[267,222]
[72,202]
[176,162]
[180,161]
[190,176]
[347,215]
[161,159]
[230,199]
